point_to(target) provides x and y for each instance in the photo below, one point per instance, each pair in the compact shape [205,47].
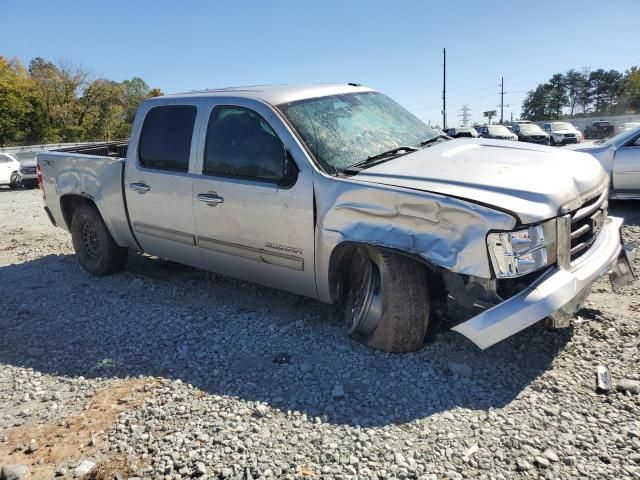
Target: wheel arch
[70,202]
[340,261]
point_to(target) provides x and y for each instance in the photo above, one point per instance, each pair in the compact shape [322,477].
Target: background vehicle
[531,133]
[265,184]
[599,129]
[9,171]
[620,157]
[462,132]
[497,131]
[562,133]
[27,173]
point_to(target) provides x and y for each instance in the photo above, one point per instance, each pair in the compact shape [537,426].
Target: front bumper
[558,289]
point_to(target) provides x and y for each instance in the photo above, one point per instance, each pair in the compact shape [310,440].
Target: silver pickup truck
[338,193]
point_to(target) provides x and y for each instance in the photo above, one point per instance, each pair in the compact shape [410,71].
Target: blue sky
[393,46]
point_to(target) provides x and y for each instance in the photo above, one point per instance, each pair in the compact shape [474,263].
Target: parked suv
[561,133]
[530,133]
[599,129]
[497,131]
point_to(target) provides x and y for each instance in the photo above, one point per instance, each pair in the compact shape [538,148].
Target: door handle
[139,187]
[211,199]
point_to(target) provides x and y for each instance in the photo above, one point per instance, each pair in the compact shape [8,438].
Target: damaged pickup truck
[338,193]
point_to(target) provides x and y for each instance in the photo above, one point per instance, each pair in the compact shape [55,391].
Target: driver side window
[240,143]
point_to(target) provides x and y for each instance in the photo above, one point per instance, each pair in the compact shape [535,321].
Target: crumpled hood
[532,181]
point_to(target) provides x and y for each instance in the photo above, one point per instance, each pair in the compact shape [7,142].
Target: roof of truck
[276,94]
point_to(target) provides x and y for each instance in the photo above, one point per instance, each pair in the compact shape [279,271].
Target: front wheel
[94,246]
[388,302]
[552,141]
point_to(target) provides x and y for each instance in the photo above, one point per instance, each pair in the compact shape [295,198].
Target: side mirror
[289,171]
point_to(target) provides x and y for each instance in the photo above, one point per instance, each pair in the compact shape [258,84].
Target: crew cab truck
[338,193]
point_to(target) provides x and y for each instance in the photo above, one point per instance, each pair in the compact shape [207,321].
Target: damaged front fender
[446,232]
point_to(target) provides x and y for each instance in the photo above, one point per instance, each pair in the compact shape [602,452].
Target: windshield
[499,130]
[563,126]
[341,130]
[530,128]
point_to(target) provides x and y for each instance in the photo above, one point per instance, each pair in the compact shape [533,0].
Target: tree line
[575,93]
[47,102]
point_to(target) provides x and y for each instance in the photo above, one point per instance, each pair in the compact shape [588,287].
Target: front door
[158,184]
[250,223]
[626,168]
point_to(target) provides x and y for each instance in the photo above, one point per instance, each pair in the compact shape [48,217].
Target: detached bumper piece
[558,290]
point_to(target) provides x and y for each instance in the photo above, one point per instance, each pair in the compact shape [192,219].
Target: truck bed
[93,172]
[116,149]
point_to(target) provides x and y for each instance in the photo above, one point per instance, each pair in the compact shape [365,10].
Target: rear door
[626,167]
[250,224]
[158,182]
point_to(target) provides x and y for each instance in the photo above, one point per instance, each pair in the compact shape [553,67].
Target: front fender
[444,231]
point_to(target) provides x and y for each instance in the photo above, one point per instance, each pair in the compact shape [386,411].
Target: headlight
[522,251]
[23,170]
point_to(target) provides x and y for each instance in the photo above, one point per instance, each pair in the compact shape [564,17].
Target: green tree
[21,114]
[605,88]
[535,105]
[133,92]
[577,88]
[630,90]
[557,95]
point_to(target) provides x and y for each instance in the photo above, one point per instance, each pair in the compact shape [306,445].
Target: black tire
[94,246]
[388,301]
[14,181]
[552,141]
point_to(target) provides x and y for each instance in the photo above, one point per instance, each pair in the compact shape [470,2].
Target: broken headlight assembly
[522,251]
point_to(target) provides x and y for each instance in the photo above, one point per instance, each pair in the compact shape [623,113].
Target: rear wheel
[388,302]
[94,246]
[14,181]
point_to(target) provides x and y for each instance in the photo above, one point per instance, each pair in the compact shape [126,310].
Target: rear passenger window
[165,141]
[241,143]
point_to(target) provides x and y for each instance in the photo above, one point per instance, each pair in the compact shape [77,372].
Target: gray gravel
[250,382]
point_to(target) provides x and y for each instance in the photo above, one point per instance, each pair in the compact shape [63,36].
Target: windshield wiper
[394,152]
[434,139]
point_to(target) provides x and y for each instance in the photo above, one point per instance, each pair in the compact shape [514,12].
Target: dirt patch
[77,437]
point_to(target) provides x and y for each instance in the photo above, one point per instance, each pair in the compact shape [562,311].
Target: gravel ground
[179,373]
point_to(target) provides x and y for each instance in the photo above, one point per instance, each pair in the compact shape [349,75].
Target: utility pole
[444,88]
[502,100]
[465,115]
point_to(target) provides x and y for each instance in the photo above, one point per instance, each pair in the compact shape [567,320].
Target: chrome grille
[586,223]
[28,170]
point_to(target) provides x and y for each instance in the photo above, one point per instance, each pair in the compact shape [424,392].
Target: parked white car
[620,157]
[9,170]
[562,133]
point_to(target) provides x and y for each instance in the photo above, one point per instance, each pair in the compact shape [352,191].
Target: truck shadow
[232,338]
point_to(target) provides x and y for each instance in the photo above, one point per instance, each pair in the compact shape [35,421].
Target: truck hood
[530,181]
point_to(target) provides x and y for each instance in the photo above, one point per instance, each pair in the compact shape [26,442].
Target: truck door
[158,185]
[626,167]
[254,216]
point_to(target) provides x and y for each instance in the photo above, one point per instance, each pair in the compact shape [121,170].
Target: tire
[388,303]
[97,252]
[552,141]
[14,182]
